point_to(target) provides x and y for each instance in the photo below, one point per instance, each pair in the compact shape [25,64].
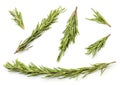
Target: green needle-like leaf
[33,70]
[95,47]
[69,33]
[40,29]
[17,17]
[98,18]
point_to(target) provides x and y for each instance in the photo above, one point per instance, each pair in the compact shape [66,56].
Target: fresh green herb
[33,70]
[69,33]
[98,18]
[95,47]
[17,17]
[40,29]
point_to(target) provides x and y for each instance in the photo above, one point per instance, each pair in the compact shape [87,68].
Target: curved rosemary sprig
[69,33]
[33,70]
[98,18]
[40,29]
[17,17]
[95,47]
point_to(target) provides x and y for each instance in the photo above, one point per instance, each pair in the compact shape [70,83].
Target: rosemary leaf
[17,17]
[98,18]
[95,47]
[33,70]
[69,33]
[40,29]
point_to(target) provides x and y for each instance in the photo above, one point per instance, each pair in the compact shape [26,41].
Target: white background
[45,49]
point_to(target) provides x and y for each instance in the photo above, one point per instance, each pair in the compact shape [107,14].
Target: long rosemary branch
[69,34]
[98,18]
[33,70]
[17,17]
[95,47]
[40,29]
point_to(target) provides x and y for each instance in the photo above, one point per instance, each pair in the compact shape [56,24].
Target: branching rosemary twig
[98,18]
[40,29]
[69,33]
[95,47]
[17,17]
[33,70]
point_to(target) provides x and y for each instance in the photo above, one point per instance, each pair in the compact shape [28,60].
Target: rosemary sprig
[69,33]
[98,18]
[40,29]
[95,47]
[17,17]
[33,70]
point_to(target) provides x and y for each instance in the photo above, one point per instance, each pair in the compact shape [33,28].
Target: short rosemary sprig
[40,29]
[69,33]
[95,47]
[33,70]
[98,18]
[17,17]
